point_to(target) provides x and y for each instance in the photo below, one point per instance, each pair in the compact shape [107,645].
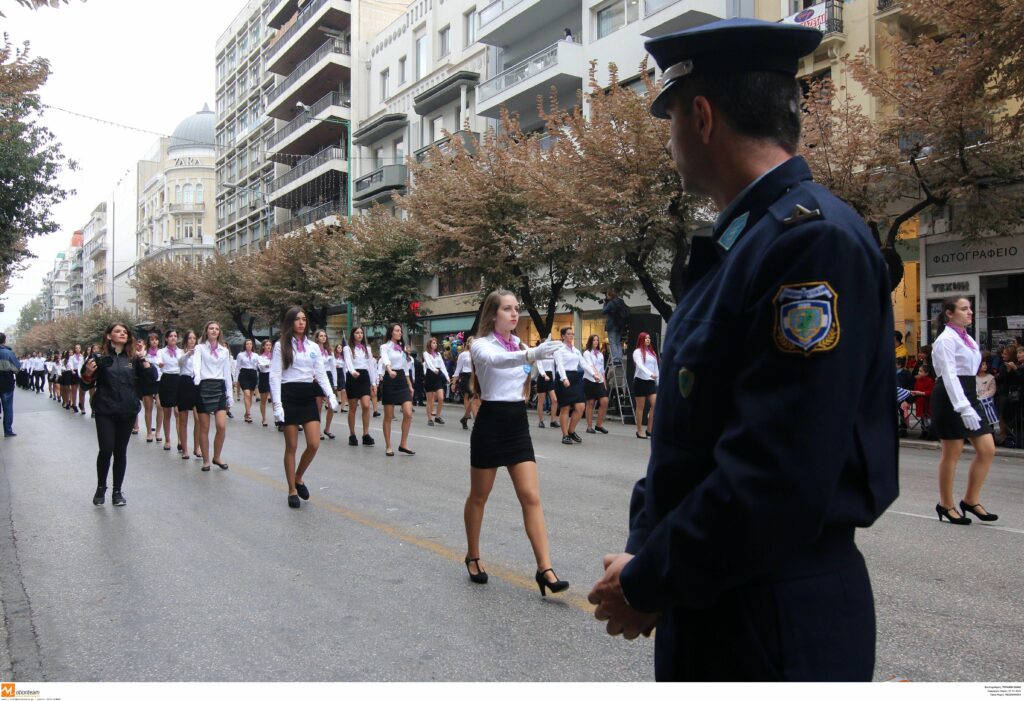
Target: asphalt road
[211,577]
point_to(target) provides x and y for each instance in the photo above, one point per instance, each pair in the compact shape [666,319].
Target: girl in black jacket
[116,373]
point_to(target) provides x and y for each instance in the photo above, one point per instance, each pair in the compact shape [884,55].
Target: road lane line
[987,527]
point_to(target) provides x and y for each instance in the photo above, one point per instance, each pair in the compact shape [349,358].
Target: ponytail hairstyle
[948,305]
[641,344]
[287,334]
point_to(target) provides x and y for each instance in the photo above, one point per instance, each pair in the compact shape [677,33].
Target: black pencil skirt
[168,389]
[644,388]
[358,387]
[501,436]
[432,381]
[299,402]
[573,394]
[248,378]
[264,383]
[211,396]
[395,392]
[466,384]
[187,393]
[594,390]
[946,422]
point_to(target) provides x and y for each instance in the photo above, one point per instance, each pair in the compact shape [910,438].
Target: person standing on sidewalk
[115,372]
[9,368]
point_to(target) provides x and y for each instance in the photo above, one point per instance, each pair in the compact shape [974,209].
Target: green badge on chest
[685,378]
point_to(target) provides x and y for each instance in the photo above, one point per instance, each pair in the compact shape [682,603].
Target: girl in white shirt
[298,380]
[595,387]
[263,366]
[396,388]
[211,368]
[569,386]
[339,375]
[247,372]
[433,370]
[151,390]
[645,381]
[956,412]
[323,344]
[187,395]
[77,360]
[360,377]
[168,363]
[501,433]
[546,388]
[461,378]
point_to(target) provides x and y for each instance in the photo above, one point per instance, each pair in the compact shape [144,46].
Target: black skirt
[67,378]
[211,396]
[594,390]
[544,386]
[169,389]
[573,394]
[946,422]
[264,383]
[299,402]
[358,387]
[395,392]
[466,384]
[644,388]
[248,378]
[187,393]
[501,436]
[146,386]
[432,381]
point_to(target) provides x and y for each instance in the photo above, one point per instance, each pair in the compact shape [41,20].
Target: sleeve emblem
[806,320]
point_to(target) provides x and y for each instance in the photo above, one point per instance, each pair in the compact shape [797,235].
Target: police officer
[741,546]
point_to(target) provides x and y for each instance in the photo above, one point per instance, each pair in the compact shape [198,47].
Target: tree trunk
[677,276]
[649,286]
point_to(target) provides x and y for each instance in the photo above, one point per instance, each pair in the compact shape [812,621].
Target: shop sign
[957,257]
[958,286]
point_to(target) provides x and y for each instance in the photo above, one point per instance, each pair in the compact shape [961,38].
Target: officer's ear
[703,118]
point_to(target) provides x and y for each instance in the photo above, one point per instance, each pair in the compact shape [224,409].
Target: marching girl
[139,349]
[186,399]
[645,381]
[331,369]
[546,388]
[434,368]
[263,366]
[76,392]
[396,388]
[247,364]
[212,375]
[568,367]
[462,378]
[298,380]
[339,374]
[90,387]
[501,434]
[360,378]
[149,389]
[67,379]
[53,376]
[168,361]
[595,386]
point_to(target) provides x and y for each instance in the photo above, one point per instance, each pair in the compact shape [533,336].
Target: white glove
[971,419]
[279,413]
[334,404]
[544,351]
[231,402]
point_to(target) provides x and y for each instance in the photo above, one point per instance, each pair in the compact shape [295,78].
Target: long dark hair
[352,338]
[288,333]
[591,344]
[108,346]
[948,305]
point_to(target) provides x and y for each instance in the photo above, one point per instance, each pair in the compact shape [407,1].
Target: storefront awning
[451,324]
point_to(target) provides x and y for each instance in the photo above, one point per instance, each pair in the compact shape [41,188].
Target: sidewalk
[919,444]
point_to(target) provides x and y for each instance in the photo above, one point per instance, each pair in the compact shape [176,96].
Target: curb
[934,445]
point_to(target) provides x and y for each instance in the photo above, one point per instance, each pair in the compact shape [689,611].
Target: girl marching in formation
[595,385]
[149,388]
[247,363]
[77,393]
[568,365]
[340,390]
[396,388]
[212,369]
[645,381]
[462,378]
[360,377]
[298,380]
[168,362]
[187,393]
[323,345]
[434,369]
[501,434]
[263,365]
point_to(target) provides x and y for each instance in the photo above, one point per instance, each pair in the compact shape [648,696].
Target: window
[469,26]
[199,193]
[189,228]
[199,227]
[402,75]
[378,157]
[385,87]
[254,74]
[177,229]
[187,192]
[177,193]
[254,35]
[437,129]
[399,151]
[615,16]
[459,282]
[422,57]
[444,42]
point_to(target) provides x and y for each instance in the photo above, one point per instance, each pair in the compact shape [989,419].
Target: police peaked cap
[729,45]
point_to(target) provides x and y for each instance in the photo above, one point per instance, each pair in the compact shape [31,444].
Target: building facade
[95,266]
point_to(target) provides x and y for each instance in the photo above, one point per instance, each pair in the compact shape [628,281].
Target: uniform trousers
[39,379]
[113,434]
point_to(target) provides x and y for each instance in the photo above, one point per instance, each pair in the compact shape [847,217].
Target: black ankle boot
[100,496]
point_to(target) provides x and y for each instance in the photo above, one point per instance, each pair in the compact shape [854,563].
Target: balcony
[307,31]
[470,139]
[511,22]
[322,172]
[693,13]
[324,123]
[95,248]
[328,66]
[448,90]
[280,12]
[380,127]
[561,65]
[826,16]
[187,208]
[379,185]
[330,209]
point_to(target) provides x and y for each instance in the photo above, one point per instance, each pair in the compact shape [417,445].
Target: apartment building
[76,284]
[244,173]
[95,268]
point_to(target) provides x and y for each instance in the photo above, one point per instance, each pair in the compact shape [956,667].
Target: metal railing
[307,218]
[884,5]
[188,207]
[835,16]
[470,140]
[306,165]
[394,175]
[539,62]
[331,99]
[330,46]
[304,14]
[494,11]
[652,6]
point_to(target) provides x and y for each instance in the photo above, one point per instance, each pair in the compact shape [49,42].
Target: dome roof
[195,131]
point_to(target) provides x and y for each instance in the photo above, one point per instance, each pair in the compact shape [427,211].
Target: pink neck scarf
[268,355]
[962,333]
[300,344]
[248,355]
[151,352]
[360,345]
[324,352]
[213,349]
[172,351]
[507,343]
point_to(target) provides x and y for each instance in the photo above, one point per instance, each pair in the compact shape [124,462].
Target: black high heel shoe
[973,508]
[556,586]
[958,520]
[480,577]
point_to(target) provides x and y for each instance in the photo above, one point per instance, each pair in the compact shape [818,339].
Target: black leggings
[113,434]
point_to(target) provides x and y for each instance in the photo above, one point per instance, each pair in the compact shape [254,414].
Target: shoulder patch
[729,236]
[806,319]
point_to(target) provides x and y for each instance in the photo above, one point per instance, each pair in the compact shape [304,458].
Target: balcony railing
[331,99]
[314,215]
[652,6]
[304,14]
[385,176]
[305,166]
[884,5]
[494,11]
[188,207]
[835,16]
[524,70]
[336,46]
[470,140]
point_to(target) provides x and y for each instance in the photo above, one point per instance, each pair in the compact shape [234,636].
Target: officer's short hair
[3,338]
[761,105]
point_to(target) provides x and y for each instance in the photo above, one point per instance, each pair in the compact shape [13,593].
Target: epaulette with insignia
[802,214]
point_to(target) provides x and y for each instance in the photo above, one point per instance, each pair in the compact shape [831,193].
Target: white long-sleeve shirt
[186,359]
[169,364]
[75,363]
[952,357]
[307,366]
[464,364]
[645,369]
[593,366]
[394,357]
[360,359]
[246,361]
[567,360]
[207,366]
[499,371]
[329,366]
[434,362]
[263,362]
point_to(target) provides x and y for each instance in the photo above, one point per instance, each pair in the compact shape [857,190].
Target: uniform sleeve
[385,356]
[229,373]
[642,373]
[560,365]
[944,362]
[346,355]
[486,353]
[321,376]
[197,366]
[444,371]
[275,374]
[777,462]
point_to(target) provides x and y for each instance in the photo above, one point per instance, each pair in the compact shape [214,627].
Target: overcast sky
[143,63]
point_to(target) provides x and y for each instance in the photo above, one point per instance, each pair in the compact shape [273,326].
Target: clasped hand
[611,603]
